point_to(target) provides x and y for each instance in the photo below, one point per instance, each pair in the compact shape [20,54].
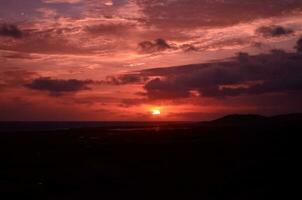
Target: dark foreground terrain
[235,157]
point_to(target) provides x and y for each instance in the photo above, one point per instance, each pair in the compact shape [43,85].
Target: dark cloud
[10,30]
[165,89]
[299,45]
[159,45]
[276,72]
[125,79]
[189,48]
[154,46]
[212,13]
[274,31]
[58,86]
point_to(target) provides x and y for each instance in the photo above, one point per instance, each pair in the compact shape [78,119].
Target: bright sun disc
[156,112]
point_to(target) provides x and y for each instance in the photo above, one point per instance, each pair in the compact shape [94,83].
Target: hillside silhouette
[236,118]
[234,157]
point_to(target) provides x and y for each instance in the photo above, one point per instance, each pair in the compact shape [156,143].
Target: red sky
[121,59]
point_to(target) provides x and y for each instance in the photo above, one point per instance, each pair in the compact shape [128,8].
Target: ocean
[52,125]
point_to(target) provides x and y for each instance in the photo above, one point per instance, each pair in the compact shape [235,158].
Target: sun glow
[156,112]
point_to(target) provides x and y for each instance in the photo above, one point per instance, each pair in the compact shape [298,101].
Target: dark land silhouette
[234,157]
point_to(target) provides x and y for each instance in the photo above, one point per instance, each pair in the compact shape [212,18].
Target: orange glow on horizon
[156,112]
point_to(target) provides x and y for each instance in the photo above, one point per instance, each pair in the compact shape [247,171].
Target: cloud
[299,45]
[189,48]
[50,41]
[159,45]
[118,29]
[62,1]
[15,78]
[276,72]
[65,35]
[274,31]
[165,89]
[183,14]
[125,79]
[10,30]
[154,46]
[58,87]
[18,55]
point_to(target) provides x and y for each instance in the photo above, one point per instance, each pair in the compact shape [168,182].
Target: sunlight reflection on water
[156,129]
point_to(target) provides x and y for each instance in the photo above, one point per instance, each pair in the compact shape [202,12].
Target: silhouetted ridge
[234,157]
[249,118]
[288,117]
[240,119]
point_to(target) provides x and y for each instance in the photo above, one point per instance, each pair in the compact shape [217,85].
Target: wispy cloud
[62,1]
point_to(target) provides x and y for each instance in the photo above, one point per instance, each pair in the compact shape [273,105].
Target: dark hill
[235,157]
[288,118]
[240,119]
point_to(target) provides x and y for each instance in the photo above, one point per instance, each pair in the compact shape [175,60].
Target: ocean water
[51,126]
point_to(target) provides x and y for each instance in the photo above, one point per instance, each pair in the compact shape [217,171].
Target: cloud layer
[274,31]
[192,13]
[154,46]
[115,57]
[10,30]
[277,72]
[58,87]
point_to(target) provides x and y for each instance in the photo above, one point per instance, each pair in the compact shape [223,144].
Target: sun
[156,112]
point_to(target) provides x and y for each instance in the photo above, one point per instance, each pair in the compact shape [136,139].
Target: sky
[121,60]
